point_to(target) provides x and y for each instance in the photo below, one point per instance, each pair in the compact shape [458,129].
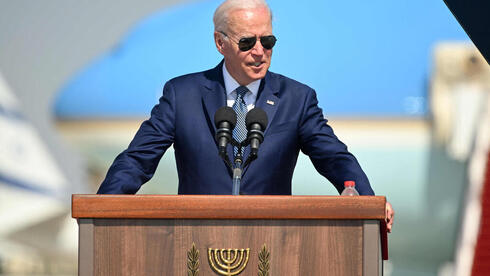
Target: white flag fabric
[31,184]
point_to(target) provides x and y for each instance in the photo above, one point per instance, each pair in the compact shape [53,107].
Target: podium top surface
[228,207]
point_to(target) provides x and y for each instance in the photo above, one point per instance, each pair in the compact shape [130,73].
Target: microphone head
[225,113]
[256,116]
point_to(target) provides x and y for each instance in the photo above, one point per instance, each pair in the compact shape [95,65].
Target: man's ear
[219,41]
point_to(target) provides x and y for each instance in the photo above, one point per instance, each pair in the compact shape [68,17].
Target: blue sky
[364,58]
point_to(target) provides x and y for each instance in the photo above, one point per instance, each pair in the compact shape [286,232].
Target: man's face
[251,65]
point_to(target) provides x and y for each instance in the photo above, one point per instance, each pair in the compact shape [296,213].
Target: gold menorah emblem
[228,261]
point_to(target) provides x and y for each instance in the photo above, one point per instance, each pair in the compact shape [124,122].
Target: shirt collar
[231,84]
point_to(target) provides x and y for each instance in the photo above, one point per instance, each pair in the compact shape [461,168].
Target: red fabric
[384,240]
[481,260]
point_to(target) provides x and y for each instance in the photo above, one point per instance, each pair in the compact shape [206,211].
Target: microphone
[225,121]
[256,122]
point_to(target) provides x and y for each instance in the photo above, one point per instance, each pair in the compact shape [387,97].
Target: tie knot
[241,91]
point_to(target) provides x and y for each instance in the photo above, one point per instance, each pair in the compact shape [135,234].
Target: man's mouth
[255,64]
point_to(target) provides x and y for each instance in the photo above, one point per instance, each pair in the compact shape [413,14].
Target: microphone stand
[239,166]
[237,173]
[250,158]
[227,160]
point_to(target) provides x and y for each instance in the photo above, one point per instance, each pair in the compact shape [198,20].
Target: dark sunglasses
[247,43]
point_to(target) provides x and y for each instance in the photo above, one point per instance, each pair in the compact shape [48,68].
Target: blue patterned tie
[240,131]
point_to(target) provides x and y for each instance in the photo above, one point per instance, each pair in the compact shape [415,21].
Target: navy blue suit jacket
[184,117]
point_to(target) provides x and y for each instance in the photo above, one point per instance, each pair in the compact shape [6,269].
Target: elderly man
[184,117]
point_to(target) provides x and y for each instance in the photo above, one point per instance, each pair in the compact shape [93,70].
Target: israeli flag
[31,184]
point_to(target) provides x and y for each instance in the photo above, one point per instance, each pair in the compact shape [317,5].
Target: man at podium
[184,118]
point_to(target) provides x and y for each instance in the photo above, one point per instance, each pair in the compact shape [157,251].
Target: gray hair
[220,17]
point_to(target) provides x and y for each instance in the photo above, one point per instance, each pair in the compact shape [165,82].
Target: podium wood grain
[159,247]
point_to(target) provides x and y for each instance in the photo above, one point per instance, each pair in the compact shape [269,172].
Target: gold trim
[228,262]
[264,266]
[193,261]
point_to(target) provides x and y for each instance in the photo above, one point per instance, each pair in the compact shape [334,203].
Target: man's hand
[390,215]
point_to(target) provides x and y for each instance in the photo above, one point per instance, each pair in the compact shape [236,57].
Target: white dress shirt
[231,84]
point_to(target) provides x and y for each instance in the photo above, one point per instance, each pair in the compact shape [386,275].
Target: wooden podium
[230,235]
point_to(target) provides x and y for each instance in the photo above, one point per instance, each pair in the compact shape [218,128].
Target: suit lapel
[213,96]
[268,100]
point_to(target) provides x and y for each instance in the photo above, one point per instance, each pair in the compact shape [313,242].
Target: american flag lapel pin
[270,102]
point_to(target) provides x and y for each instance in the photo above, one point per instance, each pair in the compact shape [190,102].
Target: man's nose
[258,49]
